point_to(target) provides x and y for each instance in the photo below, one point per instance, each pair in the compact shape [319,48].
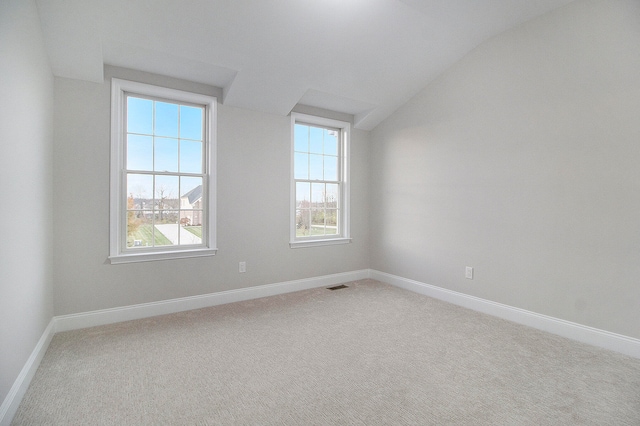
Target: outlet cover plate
[468,272]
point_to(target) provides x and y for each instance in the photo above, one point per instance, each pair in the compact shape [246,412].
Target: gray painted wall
[253,207]
[26,123]
[523,161]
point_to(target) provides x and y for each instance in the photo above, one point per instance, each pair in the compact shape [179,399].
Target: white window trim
[345,211]
[117,212]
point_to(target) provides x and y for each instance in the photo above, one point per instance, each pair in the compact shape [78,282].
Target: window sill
[167,255]
[315,243]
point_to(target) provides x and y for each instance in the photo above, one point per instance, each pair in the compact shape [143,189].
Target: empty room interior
[187,180]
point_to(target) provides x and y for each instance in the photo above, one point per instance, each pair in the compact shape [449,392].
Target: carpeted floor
[368,354]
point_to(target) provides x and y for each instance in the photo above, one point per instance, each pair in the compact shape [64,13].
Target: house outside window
[162,177]
[191,207]
[320,181]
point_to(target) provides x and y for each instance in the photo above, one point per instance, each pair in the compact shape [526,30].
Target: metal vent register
[338,287]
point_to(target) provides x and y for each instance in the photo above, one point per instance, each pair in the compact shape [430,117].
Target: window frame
[344,237]
[118,252]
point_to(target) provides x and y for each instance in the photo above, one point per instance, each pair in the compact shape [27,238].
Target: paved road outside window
[171,232]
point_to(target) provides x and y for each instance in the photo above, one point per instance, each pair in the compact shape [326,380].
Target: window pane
[303,194]
[166,119]
[302,223]
[140,191]
[191,193]
[332,195]
[331,142]
[166,155]
[188,238]
[315,167]
[192,219]
[166,194]
[190,227]
[190,157]
[317,221]
[317,195]
[301,138]
[187,183]
[301,166]
[191,122]
[315,140]
[139,115]
[139,152]
[330,168]
[139,229]
[331,217]
[166,231]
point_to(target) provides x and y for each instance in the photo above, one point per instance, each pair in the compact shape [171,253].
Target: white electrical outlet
[242,267]
[468,272]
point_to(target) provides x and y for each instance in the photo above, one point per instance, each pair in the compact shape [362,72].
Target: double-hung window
[320,181]
[162,176]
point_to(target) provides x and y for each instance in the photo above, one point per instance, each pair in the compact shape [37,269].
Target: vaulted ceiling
[362,57]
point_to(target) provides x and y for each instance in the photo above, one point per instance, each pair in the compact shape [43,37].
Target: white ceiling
[362,57]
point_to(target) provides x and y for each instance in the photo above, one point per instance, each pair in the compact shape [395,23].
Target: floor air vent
[338,287]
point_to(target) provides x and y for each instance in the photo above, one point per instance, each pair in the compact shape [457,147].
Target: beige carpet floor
[369,354]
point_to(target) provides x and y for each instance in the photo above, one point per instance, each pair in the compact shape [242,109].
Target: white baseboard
[16,393]
[146,310]
[604,339]
[581,333]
